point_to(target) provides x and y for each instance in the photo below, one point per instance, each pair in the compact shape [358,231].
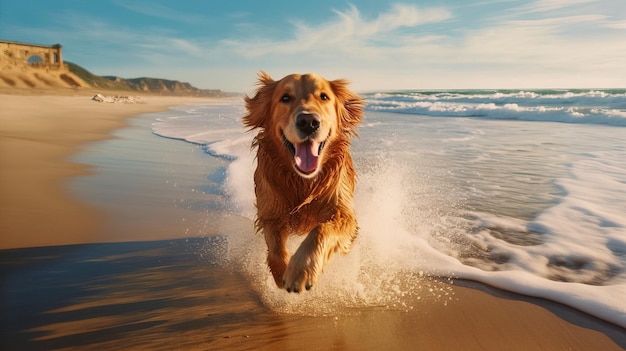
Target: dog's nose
[307,123]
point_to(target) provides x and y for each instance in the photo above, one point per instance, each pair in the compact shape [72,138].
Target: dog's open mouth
[305,154]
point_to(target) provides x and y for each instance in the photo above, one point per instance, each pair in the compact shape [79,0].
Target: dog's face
[305,118]
[304,113]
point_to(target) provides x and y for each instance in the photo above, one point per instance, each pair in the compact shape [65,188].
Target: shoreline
[149,295]
[39,133]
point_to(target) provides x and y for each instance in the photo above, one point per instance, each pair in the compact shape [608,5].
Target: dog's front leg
[311,257]
[276,254]
[306,262]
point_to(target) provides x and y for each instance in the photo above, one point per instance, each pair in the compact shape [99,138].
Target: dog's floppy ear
[349,106]
[259,105]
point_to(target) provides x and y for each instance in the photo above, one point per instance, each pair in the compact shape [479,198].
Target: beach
[38,135]
[80,275]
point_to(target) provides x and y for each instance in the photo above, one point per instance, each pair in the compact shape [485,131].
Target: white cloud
[557,48]
[349,32]
[616,24]
[551,5]
[403,15]
[543,43]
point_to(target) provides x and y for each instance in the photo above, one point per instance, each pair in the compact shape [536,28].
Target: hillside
[93,80]
[77,77]
[144,85]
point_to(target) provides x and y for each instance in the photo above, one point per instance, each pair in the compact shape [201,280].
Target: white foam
[386,265]
[595,107]
[413,223]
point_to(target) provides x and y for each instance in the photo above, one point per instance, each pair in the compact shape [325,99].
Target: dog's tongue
[306,156]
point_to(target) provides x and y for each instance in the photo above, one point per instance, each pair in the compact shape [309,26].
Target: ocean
[521,190]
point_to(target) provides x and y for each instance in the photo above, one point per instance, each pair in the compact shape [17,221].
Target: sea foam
[595,107]
[450,197]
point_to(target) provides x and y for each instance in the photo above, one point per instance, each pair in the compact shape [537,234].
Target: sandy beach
[63,288]
[38,133]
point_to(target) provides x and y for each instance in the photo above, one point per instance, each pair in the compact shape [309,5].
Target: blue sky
[430,44]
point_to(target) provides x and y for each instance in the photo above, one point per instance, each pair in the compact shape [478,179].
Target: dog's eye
[323,96]
[285,98]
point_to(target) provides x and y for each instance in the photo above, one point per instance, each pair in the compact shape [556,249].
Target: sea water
[521,190]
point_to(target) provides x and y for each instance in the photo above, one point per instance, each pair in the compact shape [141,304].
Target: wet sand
[179,294]
[183,294]
[38,133]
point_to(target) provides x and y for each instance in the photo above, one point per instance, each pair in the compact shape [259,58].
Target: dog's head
[305,114]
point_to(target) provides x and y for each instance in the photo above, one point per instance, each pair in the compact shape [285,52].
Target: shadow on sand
[181,294]
[120,295]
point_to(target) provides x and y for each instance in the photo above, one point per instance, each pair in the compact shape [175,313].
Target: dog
[305,178]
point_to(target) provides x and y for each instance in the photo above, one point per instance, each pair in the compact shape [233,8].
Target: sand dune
[31,78]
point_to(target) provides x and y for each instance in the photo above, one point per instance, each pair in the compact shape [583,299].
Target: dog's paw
[301,273]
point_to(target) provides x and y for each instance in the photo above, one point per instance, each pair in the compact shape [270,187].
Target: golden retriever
[304,180]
